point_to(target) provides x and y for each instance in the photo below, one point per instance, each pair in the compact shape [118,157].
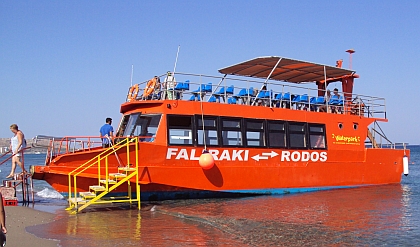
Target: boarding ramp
[107,181]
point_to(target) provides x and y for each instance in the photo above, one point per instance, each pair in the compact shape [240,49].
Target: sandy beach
[18,218]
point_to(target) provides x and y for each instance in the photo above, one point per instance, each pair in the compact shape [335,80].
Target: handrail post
[69,188]
[106,173]
[137,172]
[99,168]
[75,190]
[128,151]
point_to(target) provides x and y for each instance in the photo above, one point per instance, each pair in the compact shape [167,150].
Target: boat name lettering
[242,155]
[303,156]
[193,154]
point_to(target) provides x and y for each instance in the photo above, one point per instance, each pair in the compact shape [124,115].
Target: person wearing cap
[169,85]
[107,133]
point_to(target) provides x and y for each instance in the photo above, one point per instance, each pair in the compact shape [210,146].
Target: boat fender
[150,87]
[405,165]
[206,160]
[133,92]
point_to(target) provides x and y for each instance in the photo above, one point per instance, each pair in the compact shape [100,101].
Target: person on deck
[17,144]
[336,109]
[169,85]
[323,108]
[157,91]
[107,133]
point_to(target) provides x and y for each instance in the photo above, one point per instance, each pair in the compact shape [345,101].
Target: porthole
[355,126]
[340,125]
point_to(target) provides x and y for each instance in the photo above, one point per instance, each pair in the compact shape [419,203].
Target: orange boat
[266,126]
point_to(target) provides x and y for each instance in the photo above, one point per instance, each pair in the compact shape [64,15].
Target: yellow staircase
[98,193]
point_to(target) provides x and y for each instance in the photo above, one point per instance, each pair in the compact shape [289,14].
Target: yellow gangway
[97,193]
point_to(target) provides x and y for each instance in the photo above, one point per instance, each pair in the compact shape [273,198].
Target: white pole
[176,59]
[131,80]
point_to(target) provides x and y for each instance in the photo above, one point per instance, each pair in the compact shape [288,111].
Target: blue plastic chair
[285,97]
[230,90]
[335,100]
[312,103]
[232,101]
[208,88]
[320,100]
[276,100]
[304,99]
[241,93]
[212,99]
[285,100]
[296,99]
[179,86]
[186,85]
[200,89]
[261,95]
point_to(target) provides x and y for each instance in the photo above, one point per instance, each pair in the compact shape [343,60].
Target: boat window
[210,131]
[317,136]
[297,135]
[277,134]
[123,125]
[180,130]
[255,133]
[144,126]
[231,132]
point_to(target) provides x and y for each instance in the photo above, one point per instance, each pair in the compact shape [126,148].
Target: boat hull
[181,177]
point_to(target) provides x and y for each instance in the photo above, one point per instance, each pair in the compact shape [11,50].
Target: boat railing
[258,92]
[378,139]
[68,144]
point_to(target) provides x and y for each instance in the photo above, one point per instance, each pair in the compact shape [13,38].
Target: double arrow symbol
[264,156]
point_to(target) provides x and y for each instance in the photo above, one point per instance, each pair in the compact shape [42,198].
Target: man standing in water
[17,144]
[107,133]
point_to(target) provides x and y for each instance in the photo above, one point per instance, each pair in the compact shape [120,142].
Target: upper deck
[266,81]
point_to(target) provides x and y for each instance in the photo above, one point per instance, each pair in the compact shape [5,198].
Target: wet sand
[18,218]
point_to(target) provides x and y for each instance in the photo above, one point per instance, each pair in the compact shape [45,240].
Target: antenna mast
[350,51]
[176,60]
[131,79]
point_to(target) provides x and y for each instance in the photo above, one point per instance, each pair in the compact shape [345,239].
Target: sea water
[385,215]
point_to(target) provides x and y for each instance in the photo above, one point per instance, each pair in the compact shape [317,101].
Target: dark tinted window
[297,135]
[180,130]
[277,134]
[255,133]
[231,132]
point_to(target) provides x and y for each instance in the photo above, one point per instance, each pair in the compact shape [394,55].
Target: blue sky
[65,65]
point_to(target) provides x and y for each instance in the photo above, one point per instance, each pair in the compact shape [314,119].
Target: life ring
[150,87]
[132,93]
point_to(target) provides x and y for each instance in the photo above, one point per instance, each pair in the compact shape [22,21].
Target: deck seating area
[271,94]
